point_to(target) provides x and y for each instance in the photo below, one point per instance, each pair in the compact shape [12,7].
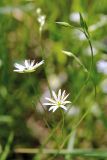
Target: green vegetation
[71,37]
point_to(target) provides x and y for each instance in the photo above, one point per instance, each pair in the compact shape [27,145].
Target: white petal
[38,64]
[66,102]
[48,104]
[52,107]
[32,63]
[55,96]
[64,107]
[65,97]
[63,94]
[59,95]
[55,108]
[19,66]
[51,100]
[19,71]
[27,63]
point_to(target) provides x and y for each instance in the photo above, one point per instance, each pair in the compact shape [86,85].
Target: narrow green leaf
[71,144]
[65,24]
[77,59]
[86,28]
[81,20]
[84,24]
[6,151]
[72,26]
[75,152]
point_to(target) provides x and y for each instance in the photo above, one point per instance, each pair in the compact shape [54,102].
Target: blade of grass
[76,152]
[6,151]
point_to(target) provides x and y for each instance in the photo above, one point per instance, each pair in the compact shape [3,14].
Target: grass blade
[7,147]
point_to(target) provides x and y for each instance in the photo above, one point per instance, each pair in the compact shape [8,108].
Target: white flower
[58,101]
[102,66]
[41,20]
[27,66]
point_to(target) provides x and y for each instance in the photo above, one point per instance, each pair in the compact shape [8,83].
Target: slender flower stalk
[27,67]
[58,101]
[41,20]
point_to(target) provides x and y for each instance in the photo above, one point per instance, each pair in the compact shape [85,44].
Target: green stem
[46,141]
[92,53]
[92,60]
[76,152]
[40,104]
[62,121]
[69,135]
[43,56]
[6,151]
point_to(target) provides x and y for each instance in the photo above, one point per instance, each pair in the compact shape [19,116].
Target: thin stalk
[69,135]
[62,121]
[89,41]
[43,56]
[6,151]
[92,59]
[75,152]
[46,141]
[74,127]
[40,104]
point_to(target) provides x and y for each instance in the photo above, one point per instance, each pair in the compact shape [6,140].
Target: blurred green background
[20,111]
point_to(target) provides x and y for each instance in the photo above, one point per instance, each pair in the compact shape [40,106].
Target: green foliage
[73,40]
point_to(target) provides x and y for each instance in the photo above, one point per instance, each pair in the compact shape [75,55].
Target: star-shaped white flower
[58,101]
[27,67]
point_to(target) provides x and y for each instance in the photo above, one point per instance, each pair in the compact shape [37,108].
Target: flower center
[59,103]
